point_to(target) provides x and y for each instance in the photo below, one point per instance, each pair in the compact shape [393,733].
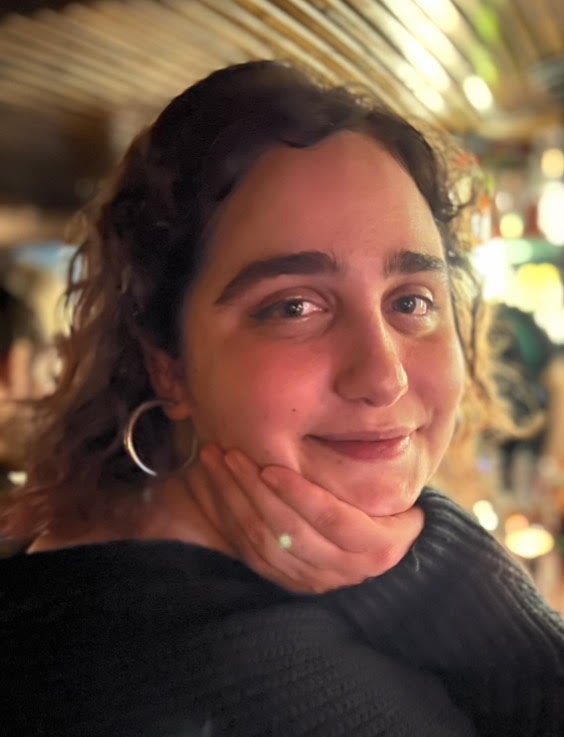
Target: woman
[272,313]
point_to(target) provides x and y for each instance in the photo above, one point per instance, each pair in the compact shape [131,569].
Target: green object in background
[534,250]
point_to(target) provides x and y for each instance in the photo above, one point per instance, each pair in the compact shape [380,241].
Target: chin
[383,486]
[373,498]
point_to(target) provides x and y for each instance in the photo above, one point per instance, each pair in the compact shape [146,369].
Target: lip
[369,436]
[371,446]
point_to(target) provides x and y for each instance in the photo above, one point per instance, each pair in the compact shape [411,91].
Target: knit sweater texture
[164,639]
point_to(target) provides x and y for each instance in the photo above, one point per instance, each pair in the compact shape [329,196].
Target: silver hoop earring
[128,433]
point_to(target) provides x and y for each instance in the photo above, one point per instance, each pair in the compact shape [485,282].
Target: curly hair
[145,245]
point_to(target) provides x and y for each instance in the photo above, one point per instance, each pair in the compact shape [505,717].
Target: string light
[478,93]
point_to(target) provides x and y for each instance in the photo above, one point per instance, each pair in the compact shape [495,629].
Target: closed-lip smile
[368,445]
[367,436]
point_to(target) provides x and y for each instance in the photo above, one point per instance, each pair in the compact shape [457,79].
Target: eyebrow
[304,262]
[412,262]
[320,262]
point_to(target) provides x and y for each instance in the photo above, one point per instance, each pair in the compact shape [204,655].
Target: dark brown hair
[145,246]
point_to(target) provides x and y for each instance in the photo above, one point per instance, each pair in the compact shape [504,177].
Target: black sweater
[166,639]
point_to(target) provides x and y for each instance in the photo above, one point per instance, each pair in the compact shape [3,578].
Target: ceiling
[78,78]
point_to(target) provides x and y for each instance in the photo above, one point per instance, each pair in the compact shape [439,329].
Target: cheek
[455,372]
[444,381]
[437,375]
[245,395]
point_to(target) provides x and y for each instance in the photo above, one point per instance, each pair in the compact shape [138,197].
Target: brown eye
[294,308]
[287,309]
[413,304]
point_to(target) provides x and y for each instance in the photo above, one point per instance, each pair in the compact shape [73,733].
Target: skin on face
[321,336]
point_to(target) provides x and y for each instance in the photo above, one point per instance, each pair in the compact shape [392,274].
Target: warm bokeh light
[540,285]
[516,522]
[428,95]
[530,542]
[478,93]
[426,29]
[552,163]
[551,212]
[486,515]
[511,225]
[535,288]
[426,63]
[443,13]
[431,98]
[504,201]
[492,264]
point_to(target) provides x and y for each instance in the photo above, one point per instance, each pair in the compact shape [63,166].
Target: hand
[294,532]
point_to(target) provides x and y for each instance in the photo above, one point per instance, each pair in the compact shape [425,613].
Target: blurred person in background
[275,328]
[526,349]
[20,342]
[530,478]
[552,451]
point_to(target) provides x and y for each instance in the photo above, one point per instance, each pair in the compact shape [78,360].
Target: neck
[167,510]
[173,512]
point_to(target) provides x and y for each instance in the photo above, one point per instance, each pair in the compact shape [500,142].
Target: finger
[382,540]
[280,521]
[327,566]
[307,544]
[345,541]
[232,506]
[251,534]
[321,564]
[342,524]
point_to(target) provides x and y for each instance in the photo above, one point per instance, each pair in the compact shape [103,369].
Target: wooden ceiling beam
[298,43]
[84,60]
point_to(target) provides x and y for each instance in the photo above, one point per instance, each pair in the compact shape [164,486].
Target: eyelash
[269,312]
[266,313]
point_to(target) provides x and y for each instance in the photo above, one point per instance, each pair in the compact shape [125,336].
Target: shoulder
[149,642]
[297,666]
[47,542]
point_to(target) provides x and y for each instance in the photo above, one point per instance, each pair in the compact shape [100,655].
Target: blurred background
[78,79]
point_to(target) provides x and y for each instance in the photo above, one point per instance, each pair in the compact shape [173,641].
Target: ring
[285,541]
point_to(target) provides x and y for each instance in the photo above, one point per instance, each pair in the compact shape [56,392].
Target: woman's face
[321,335]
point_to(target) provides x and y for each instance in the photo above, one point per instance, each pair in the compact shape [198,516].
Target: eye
[288,309]
[413,304]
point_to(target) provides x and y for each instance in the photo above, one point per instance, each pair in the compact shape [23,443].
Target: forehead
[344,193]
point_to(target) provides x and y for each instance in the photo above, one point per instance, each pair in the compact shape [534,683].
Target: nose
[370,365]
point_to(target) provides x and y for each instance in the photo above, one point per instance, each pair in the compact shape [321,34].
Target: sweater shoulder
[124,642]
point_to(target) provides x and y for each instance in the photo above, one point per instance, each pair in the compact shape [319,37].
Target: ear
[168,380]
